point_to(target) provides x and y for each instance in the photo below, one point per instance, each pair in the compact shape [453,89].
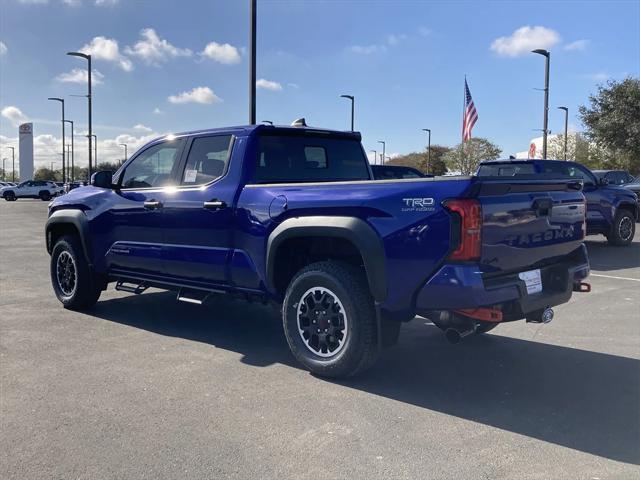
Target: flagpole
[464,102]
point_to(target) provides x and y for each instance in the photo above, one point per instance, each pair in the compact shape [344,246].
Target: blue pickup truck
[612,210]
[292,216]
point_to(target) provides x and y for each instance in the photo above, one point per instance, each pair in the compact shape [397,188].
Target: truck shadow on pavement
[578,399]
[605,258]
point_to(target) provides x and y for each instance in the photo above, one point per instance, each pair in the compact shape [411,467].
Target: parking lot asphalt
[147,387]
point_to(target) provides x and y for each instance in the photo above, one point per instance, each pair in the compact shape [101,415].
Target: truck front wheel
[330,320]
[74,283]
[624,227]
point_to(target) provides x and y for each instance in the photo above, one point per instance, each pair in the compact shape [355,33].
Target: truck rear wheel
[330,321]
[624,227]
[74,283]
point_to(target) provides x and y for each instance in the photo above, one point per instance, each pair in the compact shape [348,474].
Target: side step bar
[193,296]
[131,287]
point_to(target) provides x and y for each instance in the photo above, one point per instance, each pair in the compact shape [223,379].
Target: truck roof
[248,129]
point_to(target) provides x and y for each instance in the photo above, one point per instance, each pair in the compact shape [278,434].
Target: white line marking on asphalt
[617,278]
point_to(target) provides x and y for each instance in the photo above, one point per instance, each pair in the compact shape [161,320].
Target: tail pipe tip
[454,335]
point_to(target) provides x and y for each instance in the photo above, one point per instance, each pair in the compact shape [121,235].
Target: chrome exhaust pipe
[454,335]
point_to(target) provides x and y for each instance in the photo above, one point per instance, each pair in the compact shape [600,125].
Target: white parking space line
[617,278]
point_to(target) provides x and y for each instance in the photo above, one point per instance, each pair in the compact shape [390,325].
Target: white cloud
[14,115]
[157,111]
[106,3]
[3,49]
[221,53]
[424,31]
[394,40]
[154,50]
[293,85]
[268,85]
[367,49]
[80,75]
[577,45]
[525,39]
[102,48]
[72,3]
[142,128]
[33,2]
[197,95]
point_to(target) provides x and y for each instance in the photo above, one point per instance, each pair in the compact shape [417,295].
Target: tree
[112,166]
[612,121]
[465,158]
[419,160]
[44,173]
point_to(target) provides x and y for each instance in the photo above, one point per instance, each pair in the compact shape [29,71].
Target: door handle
[214,204]
[152,205]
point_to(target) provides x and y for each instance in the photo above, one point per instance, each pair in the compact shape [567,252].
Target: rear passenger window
[309,158]
[207,160]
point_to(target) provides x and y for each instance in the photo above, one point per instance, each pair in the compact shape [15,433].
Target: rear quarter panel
[415,234]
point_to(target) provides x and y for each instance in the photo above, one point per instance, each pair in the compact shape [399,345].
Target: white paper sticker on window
[190,176]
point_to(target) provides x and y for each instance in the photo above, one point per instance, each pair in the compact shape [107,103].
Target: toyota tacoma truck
[612,210]
[292,216]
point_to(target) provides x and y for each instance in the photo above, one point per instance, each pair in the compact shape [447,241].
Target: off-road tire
[88,285]
[623,229]
[348,284]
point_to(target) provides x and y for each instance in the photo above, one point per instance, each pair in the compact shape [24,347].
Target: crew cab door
[199,217]
[136,217]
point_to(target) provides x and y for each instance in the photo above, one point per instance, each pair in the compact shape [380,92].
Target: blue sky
[172,66]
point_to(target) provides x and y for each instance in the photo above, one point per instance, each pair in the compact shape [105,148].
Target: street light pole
[125,152]
[375,156]
[13,163]
[253,8]
[73,153]
[566,127]
[384,146]
[428,149]
[95,142]
[545,126]
[4,172]
[353,101]
[89,96]
[61,100]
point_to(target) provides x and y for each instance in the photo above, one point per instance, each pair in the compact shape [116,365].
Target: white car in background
[41,189]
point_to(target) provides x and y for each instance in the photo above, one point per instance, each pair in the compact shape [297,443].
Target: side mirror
[603,181]
[102,179]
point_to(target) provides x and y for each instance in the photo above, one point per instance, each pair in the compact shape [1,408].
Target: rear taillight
[470,228]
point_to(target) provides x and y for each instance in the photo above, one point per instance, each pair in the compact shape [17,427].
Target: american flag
[470,114]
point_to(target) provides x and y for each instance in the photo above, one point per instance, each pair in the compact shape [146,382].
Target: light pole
[125,152]
[95,142]
[13,163]
[89,96]
[545,125]
[4,172]
[384,146]
[428,149]
[375,156]
[73,152]
[566,127]
[253,10]
[353,101]
[61,100]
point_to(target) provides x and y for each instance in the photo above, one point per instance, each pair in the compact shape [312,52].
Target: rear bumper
[464,286]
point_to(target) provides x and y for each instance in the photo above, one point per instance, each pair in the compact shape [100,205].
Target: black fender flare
[355,230]
[77,219]
[629,205]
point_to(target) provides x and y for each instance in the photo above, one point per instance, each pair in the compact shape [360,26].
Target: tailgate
[528,221]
